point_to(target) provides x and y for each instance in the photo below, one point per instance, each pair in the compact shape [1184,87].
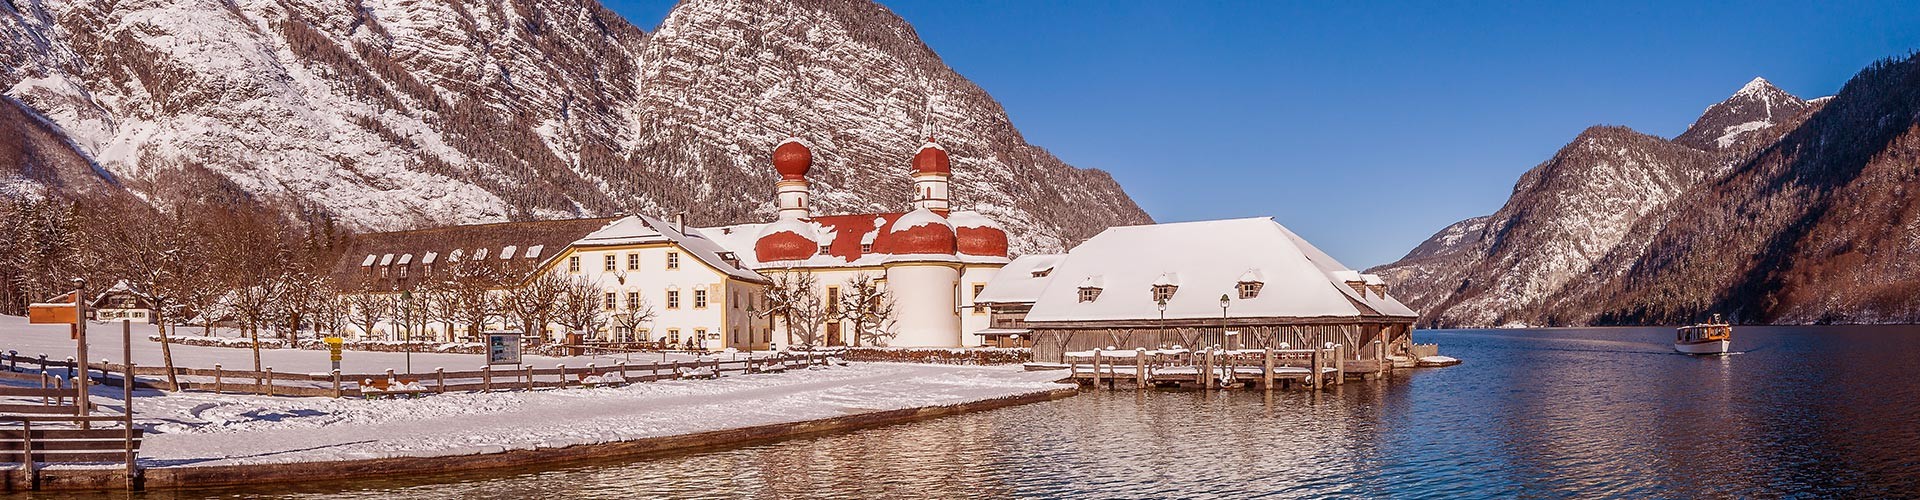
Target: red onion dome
[918,232]
[785,240]
[932,159]
[793,159]
[978,235]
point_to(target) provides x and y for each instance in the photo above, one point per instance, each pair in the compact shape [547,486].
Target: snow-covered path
[206,429]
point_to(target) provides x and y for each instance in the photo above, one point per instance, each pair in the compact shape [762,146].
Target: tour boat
[1712,337]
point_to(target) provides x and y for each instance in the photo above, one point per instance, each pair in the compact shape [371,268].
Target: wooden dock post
[1266,369]
[1140,368]
[1206,378]
[1096,368]
[1339,364]
[1314,364]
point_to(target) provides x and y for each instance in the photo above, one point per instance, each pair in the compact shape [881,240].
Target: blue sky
[1368,127]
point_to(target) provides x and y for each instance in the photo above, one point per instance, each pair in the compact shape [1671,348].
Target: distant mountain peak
[1756,106]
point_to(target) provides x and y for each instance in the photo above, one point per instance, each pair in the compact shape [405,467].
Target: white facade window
[633,262]
[673,299]
[673,260]
[633,300]
[573,263]
[700,299]
[612,301]
[611,261]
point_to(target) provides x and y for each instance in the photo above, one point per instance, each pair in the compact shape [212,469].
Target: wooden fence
[486,379]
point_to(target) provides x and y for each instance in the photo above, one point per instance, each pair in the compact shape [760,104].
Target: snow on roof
[506,252]
[1252,276]
[802,142]
[386,260]
[455,255]
[405,259]
[932,145]
[642,229]
[1016,284]
[533,252]
[1347,276]
[1167,279]
[1372,279]
[480,254]
[623,231]
[370,260]
[970,219]
[1209,258]
[842,234]
[429,258]
[919,217]
[1094,281]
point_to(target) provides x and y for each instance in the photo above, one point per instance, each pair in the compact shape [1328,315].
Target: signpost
[71,310]
[503,348]
[333,348]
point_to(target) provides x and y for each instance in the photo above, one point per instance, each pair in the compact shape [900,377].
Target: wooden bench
[374,388]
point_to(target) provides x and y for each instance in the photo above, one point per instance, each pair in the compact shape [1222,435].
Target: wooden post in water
[1096,368]
[1206,378]
[1314,367]
[1339,364]
[1140,368]
[1266,369]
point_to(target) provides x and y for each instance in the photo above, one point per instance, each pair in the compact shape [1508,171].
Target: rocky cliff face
[391,114]
[1768,209]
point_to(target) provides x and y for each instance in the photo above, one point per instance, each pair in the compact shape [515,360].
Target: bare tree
[533,303]
[470,300]
[792,297]
[366,308]
[582,309]
[870,307]
[632,315]
[330,312]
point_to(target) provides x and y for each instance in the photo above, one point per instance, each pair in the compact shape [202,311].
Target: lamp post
[1224,302]
[1163,318]
[406,326]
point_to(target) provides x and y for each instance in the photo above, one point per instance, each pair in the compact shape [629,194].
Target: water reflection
[1582,413]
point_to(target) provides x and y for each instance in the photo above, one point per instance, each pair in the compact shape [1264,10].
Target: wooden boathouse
[1240,286]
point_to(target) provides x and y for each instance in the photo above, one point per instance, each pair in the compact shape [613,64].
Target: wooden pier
[1208,368]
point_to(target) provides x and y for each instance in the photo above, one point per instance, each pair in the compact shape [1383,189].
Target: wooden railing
[485,379]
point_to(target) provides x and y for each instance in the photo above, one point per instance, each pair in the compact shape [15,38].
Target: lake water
[1811,412]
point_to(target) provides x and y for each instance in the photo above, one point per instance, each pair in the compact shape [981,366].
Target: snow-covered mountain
[1768,209]
[392,114]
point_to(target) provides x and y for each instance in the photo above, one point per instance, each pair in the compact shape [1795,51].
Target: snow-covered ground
[223,429]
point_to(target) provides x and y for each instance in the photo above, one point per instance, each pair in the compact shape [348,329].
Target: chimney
[680,222]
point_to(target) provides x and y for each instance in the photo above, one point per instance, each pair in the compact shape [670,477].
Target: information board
[503,348]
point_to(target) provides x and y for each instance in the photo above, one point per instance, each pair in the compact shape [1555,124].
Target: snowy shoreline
[199,439]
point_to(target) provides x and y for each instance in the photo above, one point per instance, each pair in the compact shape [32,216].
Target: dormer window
[823,249]
[1163,293]
[866,248]
[1249,289]
[1089,294]
[1042,273]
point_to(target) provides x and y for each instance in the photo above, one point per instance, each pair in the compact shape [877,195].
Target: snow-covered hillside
[392,114]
